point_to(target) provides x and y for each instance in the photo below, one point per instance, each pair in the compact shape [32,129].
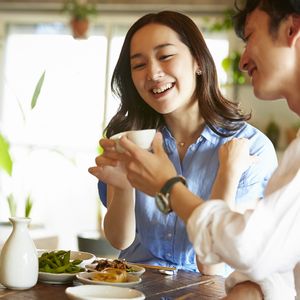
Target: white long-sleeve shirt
[263,244]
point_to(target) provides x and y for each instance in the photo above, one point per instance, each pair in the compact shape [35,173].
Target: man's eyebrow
[155,48]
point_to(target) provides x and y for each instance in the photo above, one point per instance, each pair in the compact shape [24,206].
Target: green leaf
[12,205]
[37,90]
[28,206]
[100,150]
[226,62]
[5,159]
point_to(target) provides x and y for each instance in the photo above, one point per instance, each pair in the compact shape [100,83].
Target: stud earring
[199,72]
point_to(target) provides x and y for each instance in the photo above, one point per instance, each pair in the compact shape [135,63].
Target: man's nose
[243,64]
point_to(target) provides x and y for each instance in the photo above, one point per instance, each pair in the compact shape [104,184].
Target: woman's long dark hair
[134,113]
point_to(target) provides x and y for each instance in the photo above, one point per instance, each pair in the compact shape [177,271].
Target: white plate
[87,278]
[93,292]
[138,271]
[62,278]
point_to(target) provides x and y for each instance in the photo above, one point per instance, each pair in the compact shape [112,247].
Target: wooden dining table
[180,286]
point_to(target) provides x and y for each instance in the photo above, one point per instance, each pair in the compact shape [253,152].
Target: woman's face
[162,69]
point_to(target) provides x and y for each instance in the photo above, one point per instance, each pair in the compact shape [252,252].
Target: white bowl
[61,278]
[142,138]
[93,292]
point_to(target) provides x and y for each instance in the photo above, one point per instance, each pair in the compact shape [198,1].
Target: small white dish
[100,292]
[87,278]
[134,269]
[62,278]
[142,138]
[53,278]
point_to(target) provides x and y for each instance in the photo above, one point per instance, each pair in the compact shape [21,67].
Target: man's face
[267,57]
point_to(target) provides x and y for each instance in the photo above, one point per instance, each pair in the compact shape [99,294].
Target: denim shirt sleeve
[102,190]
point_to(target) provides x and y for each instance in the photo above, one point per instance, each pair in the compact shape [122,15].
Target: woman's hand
[147,171]
[247,290]
[108,167]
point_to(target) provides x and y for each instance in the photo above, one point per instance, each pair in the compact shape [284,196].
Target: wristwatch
[162,198]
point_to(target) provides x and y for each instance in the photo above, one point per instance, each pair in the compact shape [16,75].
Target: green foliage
[28,206]
[231,65]
[12,205]
[37,90]
[79,10]
[99,150]
[6,162]
[225,24]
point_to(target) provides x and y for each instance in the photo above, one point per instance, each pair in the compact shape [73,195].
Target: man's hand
[247,290]
[235,158]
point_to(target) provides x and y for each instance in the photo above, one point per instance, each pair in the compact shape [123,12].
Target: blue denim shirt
[162,239]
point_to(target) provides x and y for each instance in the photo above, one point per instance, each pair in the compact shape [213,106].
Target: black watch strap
[169,184]
[163,197]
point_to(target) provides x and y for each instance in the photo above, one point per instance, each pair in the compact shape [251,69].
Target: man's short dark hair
[278,10]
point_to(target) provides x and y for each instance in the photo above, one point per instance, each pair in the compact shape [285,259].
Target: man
[263,244]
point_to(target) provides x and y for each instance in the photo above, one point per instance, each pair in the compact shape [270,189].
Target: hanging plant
[80,11]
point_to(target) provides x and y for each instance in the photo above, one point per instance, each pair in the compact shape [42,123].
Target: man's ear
[293,29]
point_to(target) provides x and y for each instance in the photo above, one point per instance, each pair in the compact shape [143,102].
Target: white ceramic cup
[142,138]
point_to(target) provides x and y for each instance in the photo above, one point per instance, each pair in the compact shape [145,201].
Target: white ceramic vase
[19,260]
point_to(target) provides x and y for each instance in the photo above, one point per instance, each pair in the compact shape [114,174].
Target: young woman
[166,79]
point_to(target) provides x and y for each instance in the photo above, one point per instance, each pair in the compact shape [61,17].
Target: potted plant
[80,11]
[6,161]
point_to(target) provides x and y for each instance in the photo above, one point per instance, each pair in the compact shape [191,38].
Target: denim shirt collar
[170,143]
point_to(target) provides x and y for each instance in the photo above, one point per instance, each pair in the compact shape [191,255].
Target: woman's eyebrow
[136,55]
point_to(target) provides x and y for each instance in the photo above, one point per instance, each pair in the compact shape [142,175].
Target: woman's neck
[185,124]
[186,129]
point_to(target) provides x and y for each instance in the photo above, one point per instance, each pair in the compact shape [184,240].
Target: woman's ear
[293,29]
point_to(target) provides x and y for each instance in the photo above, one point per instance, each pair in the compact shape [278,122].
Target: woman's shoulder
[260,144]
[251,132]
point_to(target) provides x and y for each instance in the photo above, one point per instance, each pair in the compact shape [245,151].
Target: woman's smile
[162,68]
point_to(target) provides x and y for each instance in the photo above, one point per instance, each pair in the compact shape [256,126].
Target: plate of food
[102,263]
[61,266]
[100,292]
[109,276]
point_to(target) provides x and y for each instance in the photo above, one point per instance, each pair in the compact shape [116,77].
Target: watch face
[162,203]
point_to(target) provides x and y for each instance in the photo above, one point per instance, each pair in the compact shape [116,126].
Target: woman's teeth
[162,88]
